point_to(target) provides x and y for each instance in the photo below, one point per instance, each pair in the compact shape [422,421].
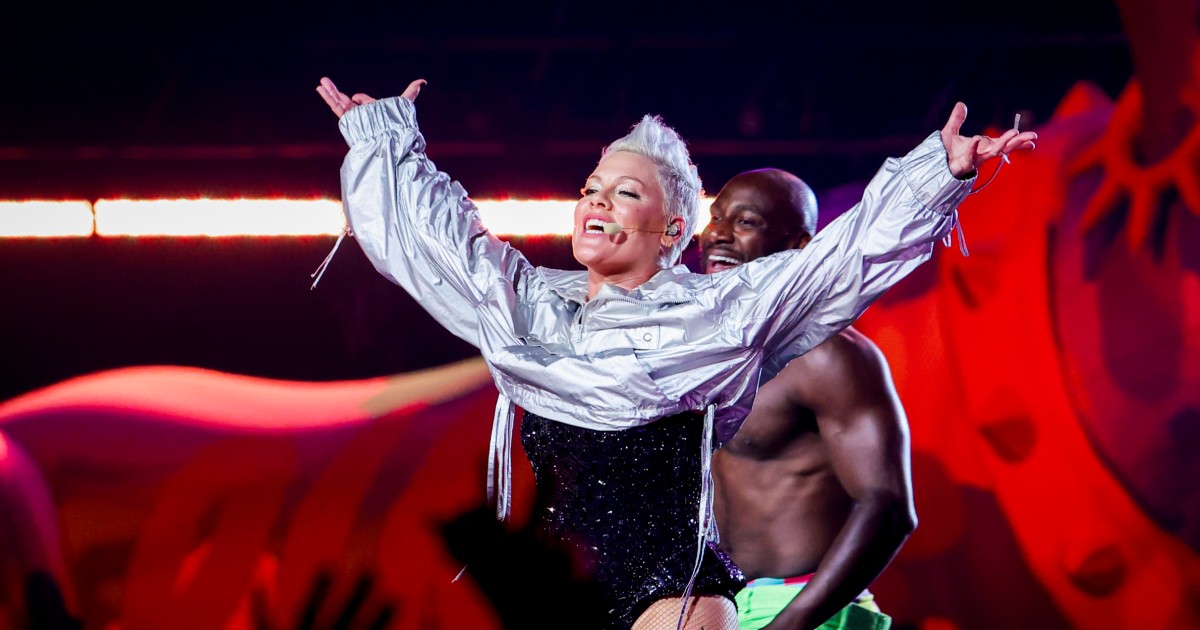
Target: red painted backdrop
[182,498]
[1053,389]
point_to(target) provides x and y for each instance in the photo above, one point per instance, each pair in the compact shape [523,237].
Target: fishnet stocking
[708,612]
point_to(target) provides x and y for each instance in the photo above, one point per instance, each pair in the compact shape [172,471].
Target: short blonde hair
[677,176]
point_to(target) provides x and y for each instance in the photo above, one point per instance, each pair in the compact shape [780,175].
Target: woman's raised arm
[417,226]
[792,301]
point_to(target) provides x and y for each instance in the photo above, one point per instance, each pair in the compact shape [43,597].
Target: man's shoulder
[808,387]
[847,350]
[845,363]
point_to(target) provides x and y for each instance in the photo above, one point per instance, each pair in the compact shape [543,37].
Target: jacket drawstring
[499,476]
[962,238]
[325,263]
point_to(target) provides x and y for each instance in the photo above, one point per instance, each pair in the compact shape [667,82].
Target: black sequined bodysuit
[628,502]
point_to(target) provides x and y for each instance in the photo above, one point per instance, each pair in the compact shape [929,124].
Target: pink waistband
[798,580]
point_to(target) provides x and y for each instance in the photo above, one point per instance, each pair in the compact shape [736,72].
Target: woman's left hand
[966,154]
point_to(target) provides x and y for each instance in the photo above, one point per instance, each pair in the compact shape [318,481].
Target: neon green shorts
[760,602]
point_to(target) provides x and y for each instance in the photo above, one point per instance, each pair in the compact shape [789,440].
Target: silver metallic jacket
[679,342]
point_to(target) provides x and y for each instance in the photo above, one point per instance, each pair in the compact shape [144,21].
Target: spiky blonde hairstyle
[677,176]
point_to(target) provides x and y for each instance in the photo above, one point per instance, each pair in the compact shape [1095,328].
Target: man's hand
[966,154]
[340,103]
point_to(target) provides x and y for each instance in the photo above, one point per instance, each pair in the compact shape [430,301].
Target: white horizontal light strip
[514,217]
[24,219]
[527,216]
[218,217]
[254,217]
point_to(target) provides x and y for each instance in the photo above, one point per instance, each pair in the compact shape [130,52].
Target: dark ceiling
[114,99]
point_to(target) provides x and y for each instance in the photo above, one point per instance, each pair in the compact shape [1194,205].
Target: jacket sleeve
[790,302]
[419,228]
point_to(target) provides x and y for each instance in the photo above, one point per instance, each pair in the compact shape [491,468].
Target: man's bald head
[758,213]
[790,196]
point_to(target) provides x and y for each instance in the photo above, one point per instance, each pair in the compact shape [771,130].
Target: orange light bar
[25,219]
[218,217]
[252,217]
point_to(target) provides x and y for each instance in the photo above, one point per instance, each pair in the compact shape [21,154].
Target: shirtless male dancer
[814,493]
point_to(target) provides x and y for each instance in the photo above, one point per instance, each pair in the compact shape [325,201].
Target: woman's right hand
[340,103]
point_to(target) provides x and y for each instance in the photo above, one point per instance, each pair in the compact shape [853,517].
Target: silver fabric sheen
[679,342]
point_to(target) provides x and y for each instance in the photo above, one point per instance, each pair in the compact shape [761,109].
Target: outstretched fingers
[1011,140]
[1024,141]
[975,147]
[965,154]
[957,117]
[340,103]
[413,89]
[995,146]
[336,101]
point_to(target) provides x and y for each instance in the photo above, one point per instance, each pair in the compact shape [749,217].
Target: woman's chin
[606,260]
[587,255]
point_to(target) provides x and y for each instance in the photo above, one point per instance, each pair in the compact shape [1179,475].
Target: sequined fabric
[627,502]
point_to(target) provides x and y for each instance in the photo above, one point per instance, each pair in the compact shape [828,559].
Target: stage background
[286,463]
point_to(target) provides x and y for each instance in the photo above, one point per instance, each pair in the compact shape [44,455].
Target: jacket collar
[666,285]
[568,285]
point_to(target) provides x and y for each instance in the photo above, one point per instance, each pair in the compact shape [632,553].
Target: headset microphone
[611,228]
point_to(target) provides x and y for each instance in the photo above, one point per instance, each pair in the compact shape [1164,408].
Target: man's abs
[777,518]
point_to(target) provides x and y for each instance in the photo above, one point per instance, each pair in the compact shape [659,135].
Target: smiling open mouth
[594,226]
[724,261]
